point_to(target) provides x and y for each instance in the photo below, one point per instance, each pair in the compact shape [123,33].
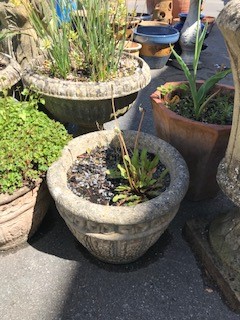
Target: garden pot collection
[118,234]
[21,214]
[88,104]
[201,145]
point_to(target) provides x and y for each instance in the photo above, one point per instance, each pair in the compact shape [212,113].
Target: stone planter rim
[6,198]
[88,90]
[123,215]
[11,74]
[156,96]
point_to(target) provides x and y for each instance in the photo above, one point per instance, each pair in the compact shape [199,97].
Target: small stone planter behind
[118,234]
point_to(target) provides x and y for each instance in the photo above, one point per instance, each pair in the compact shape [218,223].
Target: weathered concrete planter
[202,145]
[118,234]
[21,214]
[88,103]
[11,74]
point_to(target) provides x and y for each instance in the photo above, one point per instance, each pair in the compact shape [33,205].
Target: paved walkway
[53,277]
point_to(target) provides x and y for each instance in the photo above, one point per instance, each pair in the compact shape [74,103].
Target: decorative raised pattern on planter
[20,218]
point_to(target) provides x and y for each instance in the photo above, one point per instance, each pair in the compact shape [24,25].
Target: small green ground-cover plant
[196,103]
[85,44]
[30,141]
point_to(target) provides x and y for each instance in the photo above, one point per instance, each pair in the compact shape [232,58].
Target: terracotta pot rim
[157,99]
[131,46]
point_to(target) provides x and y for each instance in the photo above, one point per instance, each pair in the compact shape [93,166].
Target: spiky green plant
[200,96]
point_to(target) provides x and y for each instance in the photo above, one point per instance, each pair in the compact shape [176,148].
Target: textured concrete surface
[53,277]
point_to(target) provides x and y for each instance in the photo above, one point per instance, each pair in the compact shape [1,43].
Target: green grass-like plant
[200,96]
[30,141]
[88,43]
[137,169]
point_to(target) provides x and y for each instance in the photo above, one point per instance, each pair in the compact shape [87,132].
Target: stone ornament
[225,230]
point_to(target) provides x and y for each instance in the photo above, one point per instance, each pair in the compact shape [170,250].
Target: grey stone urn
[224,231]
[189,33]
[10,72]
[88,104]
[118,234]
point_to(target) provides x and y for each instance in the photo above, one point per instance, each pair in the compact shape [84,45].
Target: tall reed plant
[81,41]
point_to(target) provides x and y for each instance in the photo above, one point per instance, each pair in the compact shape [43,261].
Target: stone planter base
[21,214]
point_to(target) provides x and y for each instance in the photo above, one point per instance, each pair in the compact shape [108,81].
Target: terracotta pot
[132,47]
[202,145]
[118,234]
[211,21]
[180,6]
[21,213]
[163,11]
[88,103]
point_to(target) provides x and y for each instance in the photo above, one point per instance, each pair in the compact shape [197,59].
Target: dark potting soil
[87,176]
[218,110]
[127,66]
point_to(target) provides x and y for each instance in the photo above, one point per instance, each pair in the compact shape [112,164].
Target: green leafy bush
[30,142]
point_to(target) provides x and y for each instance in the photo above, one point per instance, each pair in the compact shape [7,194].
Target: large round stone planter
[21,213]
[118,234]
[88,104]
[10,72]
